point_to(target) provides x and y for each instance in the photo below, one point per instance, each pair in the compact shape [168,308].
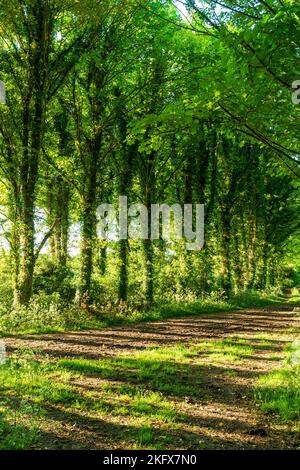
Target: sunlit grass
[143,388]
[42,383]
[161,374]
[279,391]
[25,377]
[228,350]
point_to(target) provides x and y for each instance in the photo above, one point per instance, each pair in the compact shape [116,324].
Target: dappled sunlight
[178,391]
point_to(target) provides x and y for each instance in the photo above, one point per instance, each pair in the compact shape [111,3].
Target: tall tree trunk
[64,232]
[203,155]
[103,260]
[33,127]
[125,185]
[15,244]
[62,221]
[124,188]
[149,274]
[149,255]
[88,236]
[51,205]
[27,239]
[123,274]
[226,252]
[95,83]
[265,258]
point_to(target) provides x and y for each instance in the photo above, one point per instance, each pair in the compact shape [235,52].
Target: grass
[18,428]
[139,400]
[279,391]
[29,384]
[141,389]
[43,321]
[227,350]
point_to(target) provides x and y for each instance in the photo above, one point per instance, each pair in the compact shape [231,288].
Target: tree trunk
[264,274]
[125,185]
[102,260]
[226,252]
[27,239]
[62,221]
[148,255]
[149,280]
[88,239]
[93,145]
[33,127]
[123,275]
[15,245]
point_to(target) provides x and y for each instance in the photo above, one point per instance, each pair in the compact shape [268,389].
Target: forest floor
[183,383]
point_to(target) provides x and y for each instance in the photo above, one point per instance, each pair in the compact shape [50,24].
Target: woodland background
[184,102]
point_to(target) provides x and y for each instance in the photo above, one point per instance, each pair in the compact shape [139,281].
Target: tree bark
[33,127]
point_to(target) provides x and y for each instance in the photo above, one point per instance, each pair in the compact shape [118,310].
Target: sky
[181,8]
[183,11]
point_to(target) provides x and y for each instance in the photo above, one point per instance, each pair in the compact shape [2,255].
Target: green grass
[19,415]
[227,350]
[142,388]
[29,384]
[18,427]
[279,391]
[157,370]
[18,323]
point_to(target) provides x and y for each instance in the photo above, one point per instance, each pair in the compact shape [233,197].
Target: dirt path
[226,417]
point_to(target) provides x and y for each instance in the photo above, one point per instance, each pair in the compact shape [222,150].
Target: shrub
[51,278]
[44,313]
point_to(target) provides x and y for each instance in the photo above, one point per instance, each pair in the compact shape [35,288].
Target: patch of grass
[275,358]
[263,337]
[18,428]
[227,350]
[24,377]
[279,391]
[149,438]
[172,372]
[19,415]
[145,437]
[295,297]
[142,388]
[164,375]
[18,423]
[137,401]
[42,385]
[252,299]
[231,373]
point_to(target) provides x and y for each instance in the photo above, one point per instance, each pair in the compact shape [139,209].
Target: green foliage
[45,313]
[49,313]
[130,98]
[52,278]
[134,103]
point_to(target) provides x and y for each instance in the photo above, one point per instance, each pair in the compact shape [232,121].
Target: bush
[254,298]
[51,278]
[44,313]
